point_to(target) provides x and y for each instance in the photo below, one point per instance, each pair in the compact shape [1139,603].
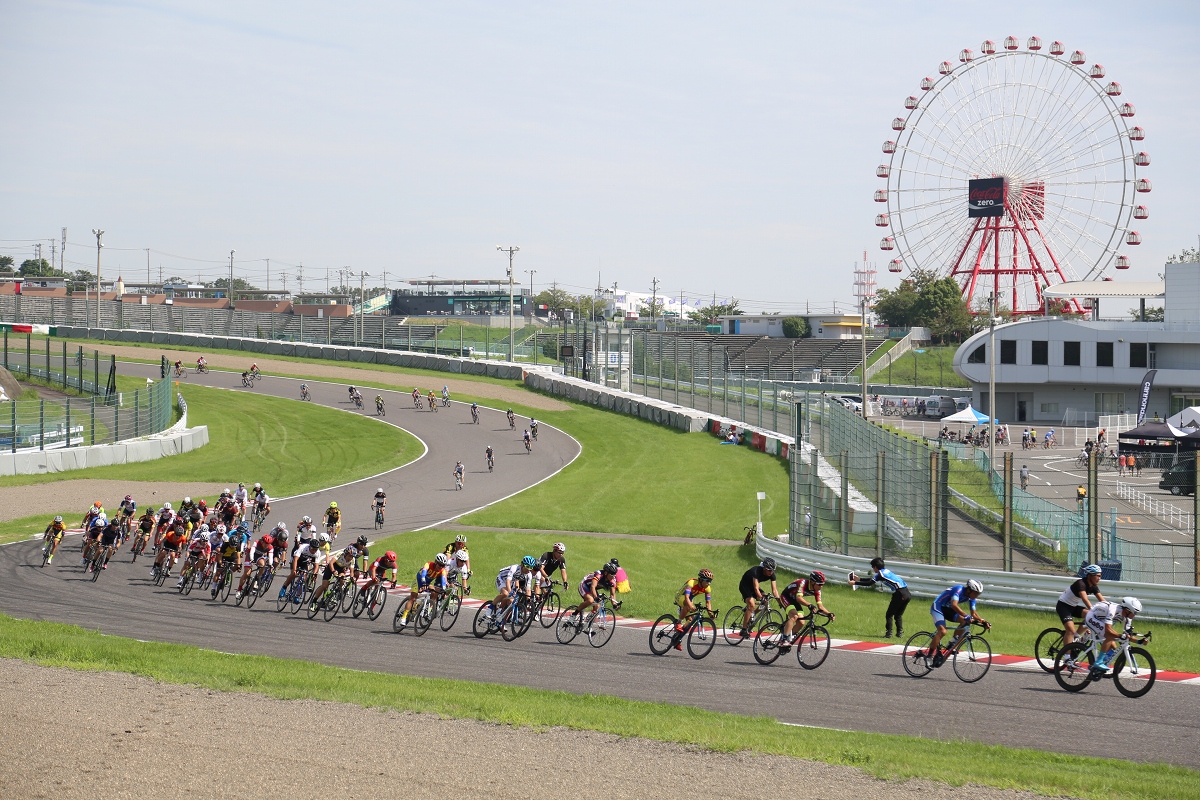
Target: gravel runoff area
[90,734]
[349,375]
[78,495]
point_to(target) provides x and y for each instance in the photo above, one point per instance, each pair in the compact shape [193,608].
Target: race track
[851,690]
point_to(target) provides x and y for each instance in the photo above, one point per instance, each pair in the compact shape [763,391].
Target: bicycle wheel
[96,566]
[813,647]
[601,626]
[314,606]
[772,615]
[240,595]
[568,625]
[423,615]
[733,625]
[190,578]
[1135,683]
[377,602]
[1073,667]
[702,637]
[481,626]
[916,658]
[360,602]
[283,599]
[1046,648]
[767,643]
[349,592]
[529,610]
[972,659]
[252,594]
[824,544]
[662,634]
[551,608]
[333,602]
[511,622]
[449,614]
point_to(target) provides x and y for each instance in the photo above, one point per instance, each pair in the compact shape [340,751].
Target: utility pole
[654,298]
[231,252]
[62,253]
[268,274]
[992,384]
[326,278]
[99,233]
[53,255]
[511,250]
[531,273]
[147,270]
[37,251]
[362,305]
[300,279]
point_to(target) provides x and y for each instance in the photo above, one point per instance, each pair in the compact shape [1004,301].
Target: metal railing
[1173,516]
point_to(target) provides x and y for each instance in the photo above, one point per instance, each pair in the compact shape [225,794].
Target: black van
[1180,479]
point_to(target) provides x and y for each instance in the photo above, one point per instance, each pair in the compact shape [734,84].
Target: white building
[823,326]
[1050,369]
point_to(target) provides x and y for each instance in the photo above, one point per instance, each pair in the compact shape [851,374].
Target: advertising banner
[985,197]
[1144,395]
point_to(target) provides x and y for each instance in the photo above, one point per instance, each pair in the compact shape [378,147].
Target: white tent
[1189,418]
[970,415]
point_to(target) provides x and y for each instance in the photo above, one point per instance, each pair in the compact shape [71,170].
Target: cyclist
[197,552]
[127,511]
[375,572]
[416,395]
[361,546]
[96,510]
[333,519]
[1073,603]
[459,543]
[351,392]
[241,497]
[445,395]
[110,540]
[172,542]
[685,599]
[230,554]
[793,598]
[262,554]
[431,577]
[339,565]
[460,568]
[475,413]
[357,398]
[894,584]
[178,368]
[553,559]
[751,590]
[201,364]
[304,391]
[432,402]
[191,513]
[533,423]
[592,584]
[512,420]
[254,370]
[459,475]
[54,535]
[378,404]
[145,528]
[1101,622]
[513,578]
[379,502]
[1080,496]
[92,536]
[946,608]
[525,438]
[490,455]
[305,529]
[262,501]
[1049,440]
[304,557]
[1024,476]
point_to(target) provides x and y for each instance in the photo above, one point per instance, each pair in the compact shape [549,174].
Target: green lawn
[658,569]
[638,477]
[288,446]
[929,368]
[884,756]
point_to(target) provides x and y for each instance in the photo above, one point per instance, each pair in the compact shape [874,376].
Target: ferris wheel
[1012,170]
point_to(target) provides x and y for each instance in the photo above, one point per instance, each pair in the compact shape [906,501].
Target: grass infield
[884,756]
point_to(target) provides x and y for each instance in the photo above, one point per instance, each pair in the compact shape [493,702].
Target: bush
[796,328]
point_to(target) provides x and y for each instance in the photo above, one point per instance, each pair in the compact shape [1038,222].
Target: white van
[940,405]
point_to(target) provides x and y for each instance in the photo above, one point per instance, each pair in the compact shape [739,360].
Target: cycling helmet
[166,506]
[323,538]
[240,486]
[258,486]
[610,568]
[1131,604]
[442,559]
[97,504]
[282,526]
[705,575]
[462,555]
[560,547]
[361,541]
[128,497]
[203,528]
[529,562]
[351,551]
[768,564]
[614,562]
[1090,569]
[58,519]
[389,556]
[221,529]
[243,527]
[460,539]
[187,500]
[307,520]
[333,504]
[280,535]
[379,490]
[974,586]
[817,577]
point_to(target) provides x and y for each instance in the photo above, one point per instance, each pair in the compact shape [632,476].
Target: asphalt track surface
[852,691]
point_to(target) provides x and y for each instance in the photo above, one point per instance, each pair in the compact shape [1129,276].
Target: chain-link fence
[84,407]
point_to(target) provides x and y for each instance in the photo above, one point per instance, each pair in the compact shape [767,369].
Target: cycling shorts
[328,573]
[170,548]
[1067,612]
[944,616]
[377,571]
[109,539]
[585,588]
[94,533]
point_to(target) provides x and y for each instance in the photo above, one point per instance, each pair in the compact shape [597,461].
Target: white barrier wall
[39,462]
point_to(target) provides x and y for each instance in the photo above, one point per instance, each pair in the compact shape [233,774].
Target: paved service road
[851,690]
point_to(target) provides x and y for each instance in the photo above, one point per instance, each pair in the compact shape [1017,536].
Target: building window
[1008,351]
[1137,354]
[1104,354]
[1153,355]
[1110,402]
[978,355]
[1049,408]
[1070,354]
[1041,352]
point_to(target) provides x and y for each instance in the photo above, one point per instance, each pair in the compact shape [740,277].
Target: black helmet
[361,541]
[768,564]
[610,568]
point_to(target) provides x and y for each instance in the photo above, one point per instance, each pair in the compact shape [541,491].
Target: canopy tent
[970,415]
[1188,418]
[1153,430]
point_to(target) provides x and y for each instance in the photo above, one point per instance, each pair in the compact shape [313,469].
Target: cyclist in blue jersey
[892,583]
[947,608]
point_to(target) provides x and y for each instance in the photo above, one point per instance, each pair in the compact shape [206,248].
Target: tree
[941,308]
[653,309]
[239,284]
[709,314]
[1186,256]
[6,263]
[38,268]
[1062,307]
[554,299]
[796,328]
[1152,314]
[895,307]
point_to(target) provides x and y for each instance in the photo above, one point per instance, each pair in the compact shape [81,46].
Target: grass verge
[658,569]
[884,756]
[933,366]
[288,446]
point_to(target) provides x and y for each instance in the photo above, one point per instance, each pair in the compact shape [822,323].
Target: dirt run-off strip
[99,734]
[637,537]
[79,494]
[347,375]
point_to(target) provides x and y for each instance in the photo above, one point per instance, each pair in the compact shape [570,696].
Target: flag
[1144,397]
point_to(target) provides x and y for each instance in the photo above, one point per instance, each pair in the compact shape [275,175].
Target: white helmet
[282,526]
[379,490]
[187,500]
[462,555]
[1132,604]
[203,527]
[258,486]
[323,538]
[442,559]
[166,506]
[560,547]
[307,520]
[974,586]
[221,528]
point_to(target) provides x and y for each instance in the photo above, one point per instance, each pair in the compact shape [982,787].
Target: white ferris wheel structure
[1014,169]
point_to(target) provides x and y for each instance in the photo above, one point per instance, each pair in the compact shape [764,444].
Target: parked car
[940,405]
[1180,479]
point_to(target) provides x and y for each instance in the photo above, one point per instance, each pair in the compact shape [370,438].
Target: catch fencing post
[1092,509]
[137,427]
[880,509]
[95,375]
[1008,511]
[68,444]
[812,495]
[64,366]
[844,506]
[41,425]
[934,460]
[28,357]
[1195,528]
[13,409]
[93,419]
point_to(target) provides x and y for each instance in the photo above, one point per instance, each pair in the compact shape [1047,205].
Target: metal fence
[87,409]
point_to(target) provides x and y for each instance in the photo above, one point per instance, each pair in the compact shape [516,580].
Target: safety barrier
[1009,589]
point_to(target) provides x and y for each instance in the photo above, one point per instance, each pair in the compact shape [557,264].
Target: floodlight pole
[992,380]
[511,333]
[99,233]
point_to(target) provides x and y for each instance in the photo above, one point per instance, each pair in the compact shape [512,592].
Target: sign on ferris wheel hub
[1040,147]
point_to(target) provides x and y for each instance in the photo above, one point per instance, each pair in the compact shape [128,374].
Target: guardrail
[1008,589]
[1175,517]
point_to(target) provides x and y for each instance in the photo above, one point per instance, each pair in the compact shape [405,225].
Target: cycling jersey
[512,575]
[199,545]
[1106,613]
[1073,594]
[799,588]
[941,608]
[343,560]
[215,540]
[263,548]
[56,529]
[333,515]
[755,573]
[128,508]
[380,566]
[603,581]
[380,498]
[110,534]
[307,553]
[262,499]
[549,562]
[241,496]
[173,540]
[890,580]
[429,572]
[692,589]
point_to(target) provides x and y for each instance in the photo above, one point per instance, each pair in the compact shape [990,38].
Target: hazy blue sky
[719,147]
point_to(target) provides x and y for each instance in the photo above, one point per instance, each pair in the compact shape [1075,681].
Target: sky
[725,149]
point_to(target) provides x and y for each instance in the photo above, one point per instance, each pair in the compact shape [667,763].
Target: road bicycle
[811,643]
[1133,670]
[47,549]
[259,516]
[339,591]
[474,416]
[416,400]
[763,613]
[823,543]
[188,575]
[458,481]
[162,571]
[420,614]
[371,600]
[202,369]
[533,431]
[528,446]
[379,412]
[99,557]
[445,402]
[700,632]
[1049,644]
[248,379]
[378,517]
[358,402]
[598,624]
[548,605]
[297,592]
[223,582]
[970,652]
[260,584]
[181,372]
[512,422]
[510,623]
[491,462]
[304,394]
